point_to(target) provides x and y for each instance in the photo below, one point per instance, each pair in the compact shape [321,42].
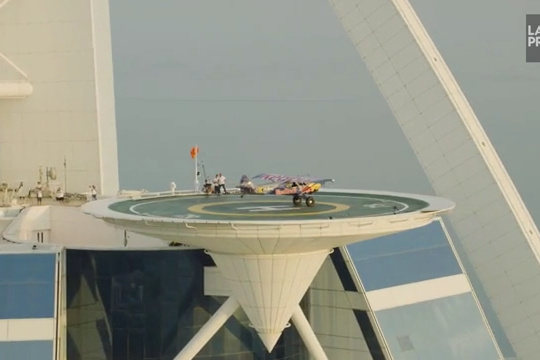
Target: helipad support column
[269,286]
[208,330]
[308,335]
[495,228]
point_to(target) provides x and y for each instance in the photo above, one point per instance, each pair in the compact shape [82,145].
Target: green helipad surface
[268,207]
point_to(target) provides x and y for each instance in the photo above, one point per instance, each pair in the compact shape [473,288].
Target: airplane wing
[284,178]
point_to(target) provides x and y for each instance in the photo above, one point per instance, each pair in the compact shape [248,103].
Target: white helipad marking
[274,209]
[378,205]
[188,216]
[144,203]
[386,203]
[268,208]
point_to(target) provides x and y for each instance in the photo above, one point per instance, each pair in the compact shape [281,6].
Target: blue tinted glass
[135,305]
[428,236]
[27,268]
[23,301]
[408,257]
[18,350]
[404,268]
[450,328]
[27,286]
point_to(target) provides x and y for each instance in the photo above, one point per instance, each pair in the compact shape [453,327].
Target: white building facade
[57,114]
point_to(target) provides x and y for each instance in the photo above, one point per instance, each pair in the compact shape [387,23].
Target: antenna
[203,170]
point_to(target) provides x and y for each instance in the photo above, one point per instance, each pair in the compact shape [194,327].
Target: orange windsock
[194,151]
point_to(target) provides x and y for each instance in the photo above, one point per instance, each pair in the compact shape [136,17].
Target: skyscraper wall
[64,132]
[495,230]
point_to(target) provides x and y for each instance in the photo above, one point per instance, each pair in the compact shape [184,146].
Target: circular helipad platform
[267,249]
[270,224]
[334,205]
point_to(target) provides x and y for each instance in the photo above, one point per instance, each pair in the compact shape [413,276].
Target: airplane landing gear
[297,200]
[310,201]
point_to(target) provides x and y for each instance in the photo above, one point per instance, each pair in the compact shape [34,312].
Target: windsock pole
[196,168]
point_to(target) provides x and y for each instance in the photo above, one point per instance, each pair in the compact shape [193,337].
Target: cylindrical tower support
[208,330]
[307,334]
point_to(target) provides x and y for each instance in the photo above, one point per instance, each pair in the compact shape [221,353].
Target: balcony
[15,89]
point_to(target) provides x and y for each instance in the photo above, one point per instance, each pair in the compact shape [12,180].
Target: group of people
[59,194]
[217,184]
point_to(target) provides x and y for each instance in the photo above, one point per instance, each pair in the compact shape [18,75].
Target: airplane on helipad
[299,187]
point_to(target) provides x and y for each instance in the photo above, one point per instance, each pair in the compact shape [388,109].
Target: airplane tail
[246,185]
[244,179]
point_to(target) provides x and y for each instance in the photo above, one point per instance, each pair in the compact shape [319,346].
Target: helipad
[268,224]
[334,205]
[267,249]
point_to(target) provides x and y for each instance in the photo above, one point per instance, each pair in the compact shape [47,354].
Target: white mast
[196,168]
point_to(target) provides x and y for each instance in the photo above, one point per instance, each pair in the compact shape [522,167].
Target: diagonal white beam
[495,229]
[208,330]
[307,334]
[3,3]
[6,59]
[14,89]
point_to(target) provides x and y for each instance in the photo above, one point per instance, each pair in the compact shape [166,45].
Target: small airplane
[299,187]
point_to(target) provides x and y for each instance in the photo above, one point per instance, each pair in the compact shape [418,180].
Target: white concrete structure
[495,229]
[68,226]
[56,95]
[268,264]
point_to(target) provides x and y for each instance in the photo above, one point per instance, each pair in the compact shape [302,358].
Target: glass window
[403,258]
[148,304]
[450,328]
[38,350]
[27,285]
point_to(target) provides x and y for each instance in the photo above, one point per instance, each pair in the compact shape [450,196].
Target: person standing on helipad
[221,182]
[215,182]
[59,194]
[39,192]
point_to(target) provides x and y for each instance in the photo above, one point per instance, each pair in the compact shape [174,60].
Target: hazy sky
[278,87]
